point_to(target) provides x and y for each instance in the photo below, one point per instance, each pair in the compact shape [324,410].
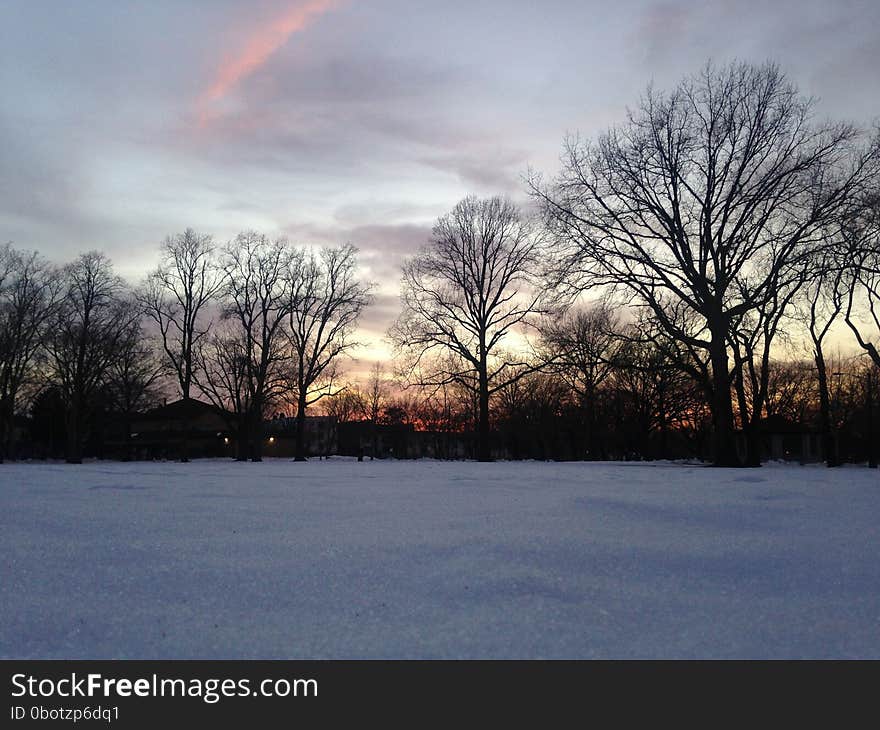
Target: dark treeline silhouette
[248,326]
[709,209]
[677,290]
[609,391]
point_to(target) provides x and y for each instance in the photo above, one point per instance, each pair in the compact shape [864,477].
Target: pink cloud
[261,45]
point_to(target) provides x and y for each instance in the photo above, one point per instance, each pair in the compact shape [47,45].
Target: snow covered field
[341,559]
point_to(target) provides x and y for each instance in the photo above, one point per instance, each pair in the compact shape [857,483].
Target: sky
[350,121]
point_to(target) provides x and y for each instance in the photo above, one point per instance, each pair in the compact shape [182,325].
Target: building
[321,436]
[162,432]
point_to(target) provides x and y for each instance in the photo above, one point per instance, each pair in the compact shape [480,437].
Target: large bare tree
[705,203]
[91,322]
[175,297]
[326,300]
[467,292]
[28,299]
[255,299]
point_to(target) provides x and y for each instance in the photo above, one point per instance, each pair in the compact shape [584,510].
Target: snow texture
[425,559]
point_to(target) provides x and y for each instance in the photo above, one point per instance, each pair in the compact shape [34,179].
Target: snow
[425,559]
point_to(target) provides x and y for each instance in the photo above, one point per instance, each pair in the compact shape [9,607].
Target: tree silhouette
[466,293]
[705,203]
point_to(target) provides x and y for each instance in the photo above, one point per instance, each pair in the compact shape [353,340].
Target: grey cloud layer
[365,126]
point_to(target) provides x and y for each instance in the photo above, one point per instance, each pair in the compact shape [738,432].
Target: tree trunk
[484,451]
[187,417]
[724,433]
[242,440]
[739,389]
[831,456]
[749,420]
[300,453]
[256,433]
[186,427]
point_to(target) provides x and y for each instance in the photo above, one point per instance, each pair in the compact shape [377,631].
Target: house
[162,432]
[321,436]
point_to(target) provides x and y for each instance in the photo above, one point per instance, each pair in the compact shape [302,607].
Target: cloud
[378,317]
[816,42]
[342,117]
[383,247]
[357,121]
[262,44]
[661,27]
[374,211]
[487,171]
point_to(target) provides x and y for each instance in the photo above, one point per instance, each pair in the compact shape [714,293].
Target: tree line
[606,391]
[642,296]
[244,325]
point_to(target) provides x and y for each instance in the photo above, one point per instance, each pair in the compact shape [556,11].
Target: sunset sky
[361,121]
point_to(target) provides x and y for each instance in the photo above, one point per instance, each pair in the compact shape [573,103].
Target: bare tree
[133,378]
[819,307]
[28,299]
[706,200]
[791,391]
[582,345]
[467,293]
[345,405]
[255,298]
[375,395]
[654,393]
[530,410]
[326,300]
[223,375]
[862,314]
[443,411]
[91,322]
[175,298]
[752,335]
[862,274]
[375,392]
